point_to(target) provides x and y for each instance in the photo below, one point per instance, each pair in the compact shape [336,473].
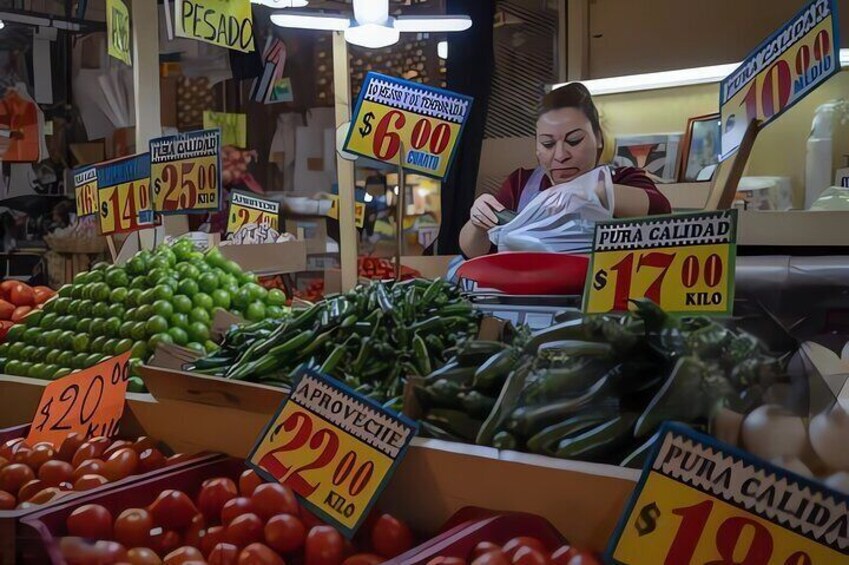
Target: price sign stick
[399,213]
[113,249]
[723,187]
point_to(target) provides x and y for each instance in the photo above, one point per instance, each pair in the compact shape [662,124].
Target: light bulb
[373,36]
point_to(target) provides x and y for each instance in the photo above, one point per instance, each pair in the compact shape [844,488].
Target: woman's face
[567,147]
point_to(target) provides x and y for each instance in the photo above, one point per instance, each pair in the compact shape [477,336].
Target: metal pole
[399,218]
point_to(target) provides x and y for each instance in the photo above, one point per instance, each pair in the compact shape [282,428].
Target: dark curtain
[469,71]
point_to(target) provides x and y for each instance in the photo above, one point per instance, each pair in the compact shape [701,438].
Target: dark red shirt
[512,188]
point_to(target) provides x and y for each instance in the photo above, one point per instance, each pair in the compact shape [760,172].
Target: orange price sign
[85,191]
[685,263]
[393,113]
[89,402]
[124,195]
[335,448]
[700,501]
[185,172]
[783,69]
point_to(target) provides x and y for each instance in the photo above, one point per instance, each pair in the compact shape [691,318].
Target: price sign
[359,211]
[234,127]
[123,193]
[683,262]
[782,70]
[248,209]
[85,191]
[226,23]
[335,448]
[90,402]
[392,113]
[700,501]
[118,30]
[185,172]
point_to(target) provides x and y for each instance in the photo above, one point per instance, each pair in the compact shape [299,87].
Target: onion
[830,437]
[794,465]
[771,431]
[839,481]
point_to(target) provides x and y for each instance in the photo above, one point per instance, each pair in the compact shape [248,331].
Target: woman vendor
[569,144]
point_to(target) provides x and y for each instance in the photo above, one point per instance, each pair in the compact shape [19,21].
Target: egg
[794,465]
[829,432]
[839,481]
[771,431]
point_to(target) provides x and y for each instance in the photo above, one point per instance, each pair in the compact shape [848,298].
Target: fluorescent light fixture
[371,12]
[2,25]
[433,23]
[311,21]
[281,3]
[669,79]
[372,36]
[442,49]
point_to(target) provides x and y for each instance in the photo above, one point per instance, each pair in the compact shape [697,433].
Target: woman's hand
[483,212]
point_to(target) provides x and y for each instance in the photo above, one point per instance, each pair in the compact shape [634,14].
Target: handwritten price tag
[333,447]
[248,209]
[124,195]
[700,501]
[427,121]
[185,172]
[90,402]
[85,191]
[359,211]
[684,263]
[782,70]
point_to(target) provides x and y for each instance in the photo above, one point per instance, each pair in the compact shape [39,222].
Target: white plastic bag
[560,219]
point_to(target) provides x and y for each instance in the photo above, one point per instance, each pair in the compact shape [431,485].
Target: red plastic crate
[526,273]
[474,525]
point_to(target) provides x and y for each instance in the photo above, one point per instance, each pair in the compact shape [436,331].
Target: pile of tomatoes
[249,523]
[41,473]
[17,299]
[522,550]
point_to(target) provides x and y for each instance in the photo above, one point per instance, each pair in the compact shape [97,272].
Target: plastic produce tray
[470,526]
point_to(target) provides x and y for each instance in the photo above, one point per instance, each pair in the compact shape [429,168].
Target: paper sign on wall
[249,209]
[682,262]
[234,127]
[359,211]
[85,190]
[393,113]
[123,194]
[701,501]
[185,172]
[786,67]
[334,447]
[118,30]
[90,403]
[226,23]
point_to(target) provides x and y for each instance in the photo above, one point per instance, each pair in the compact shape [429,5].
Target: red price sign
[782,70]
[90,402]
[334,448]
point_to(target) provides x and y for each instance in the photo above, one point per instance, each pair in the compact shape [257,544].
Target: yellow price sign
[249,209]
[359,211]
[683,263]
[394,114]
[124,195]
[185,172]
[783,69]
[118,31]
[700,501]
[85,191]
[234,127]
[335,448]
[226,23]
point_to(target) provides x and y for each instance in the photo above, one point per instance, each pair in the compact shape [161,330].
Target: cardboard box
[311,229]
[269,258]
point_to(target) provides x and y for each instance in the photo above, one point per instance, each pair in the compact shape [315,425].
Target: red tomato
[40,455]
[143,556]
[311,521]
[30,489]
[324,546]
[270,499]
[90,521]
[177,458]
[584,558]
[88,482]
[213,537]
[5,326]
[182,555]
[132,527]
[143,443]
[14,476]
[3,462]
[259,554]
[235,507]
[214,495]
[121,463]
[173,509]
[20,312]
[7,501]
[91,449]
[364,559]
[45,495]
[514,544]
[151,460]
[20,294]
[223,554]
[493,557]
[10,446]
[484,547]
[69,446]
[563,555]
[22,453]
[43,294]
[248,482]
[115,446]
[244,530]
[6,310]
[441,560]
[89,467]
[526,555]
[55,471]
[285,533]
[195,532]
[391,537]
[165,541]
